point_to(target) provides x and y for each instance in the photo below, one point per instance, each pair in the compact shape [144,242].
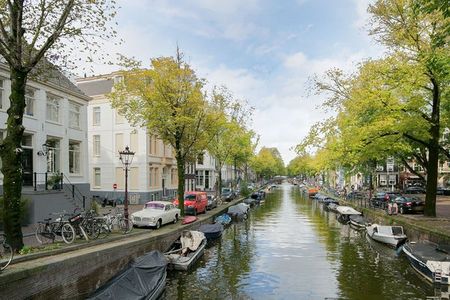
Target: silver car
[156,214]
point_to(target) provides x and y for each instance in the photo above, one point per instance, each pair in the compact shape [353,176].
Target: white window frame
[96,116]
[53,108]
[74,157]
[30,99]
[2,91]
[74,115]
[97,177]
[96,141]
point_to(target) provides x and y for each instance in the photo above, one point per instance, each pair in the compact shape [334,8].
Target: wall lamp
[44,150]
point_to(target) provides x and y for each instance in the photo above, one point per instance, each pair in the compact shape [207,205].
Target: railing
[58,181]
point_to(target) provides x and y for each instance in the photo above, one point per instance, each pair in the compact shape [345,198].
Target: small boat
[345,212]
[430,260]
[390,235]
[312,192]
[211,231]
[251,202]
[238,211]
[358,221]
[331,206]
[189,219]
[186,250]
[145,278]
[223,219]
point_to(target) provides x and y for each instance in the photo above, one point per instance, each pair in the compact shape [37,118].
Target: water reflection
[290,248]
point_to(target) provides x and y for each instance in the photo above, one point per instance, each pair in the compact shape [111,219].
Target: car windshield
[226,190]
[189,197]
[157,206]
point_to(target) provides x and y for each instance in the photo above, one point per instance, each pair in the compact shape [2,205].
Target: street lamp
[126,157]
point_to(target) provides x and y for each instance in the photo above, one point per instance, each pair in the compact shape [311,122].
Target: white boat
[430,260]
[390,235]
[345,212]
[185,251]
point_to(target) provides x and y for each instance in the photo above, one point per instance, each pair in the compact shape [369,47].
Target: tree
[167,99]
[34,34]
[268,163]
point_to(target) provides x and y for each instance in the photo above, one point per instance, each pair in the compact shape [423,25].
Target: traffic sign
[114,185]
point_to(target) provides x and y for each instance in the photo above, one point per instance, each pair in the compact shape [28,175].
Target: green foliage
[268,163]
[24,210]
[245,191]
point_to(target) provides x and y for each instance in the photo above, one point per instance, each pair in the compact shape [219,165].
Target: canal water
[290,248]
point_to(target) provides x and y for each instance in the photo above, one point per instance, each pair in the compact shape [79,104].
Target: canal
[290,248]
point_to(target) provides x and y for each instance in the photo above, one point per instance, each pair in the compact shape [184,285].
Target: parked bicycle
[113,221]
[48,230]
[6,254]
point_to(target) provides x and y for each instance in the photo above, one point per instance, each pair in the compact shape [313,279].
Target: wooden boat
[390,235]
[223,219]
[189,219]
[211,231]
[430,260]
[312,192]
[185,251]
[345,212]
[144,278]
[358,221]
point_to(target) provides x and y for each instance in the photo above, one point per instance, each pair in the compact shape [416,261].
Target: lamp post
[126,157]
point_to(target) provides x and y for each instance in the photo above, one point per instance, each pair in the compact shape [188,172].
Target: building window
[74,157]
[199,177]
[97,177]
[134,178]
[1,140]
[53,156]
[119,143]
[96,141]
[53,108]
[74,115]
[120,176]
[96,116]
[134,142]
[173,176]
[120,119]
[383,180]
[29,101]
[200,159]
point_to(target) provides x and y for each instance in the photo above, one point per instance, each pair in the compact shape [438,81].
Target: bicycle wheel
[92,229]
[126,226]
[43,234]
[105,229]
[6,255]
[68,233]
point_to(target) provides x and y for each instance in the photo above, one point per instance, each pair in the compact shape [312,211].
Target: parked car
[381,199]
[228,194]
[194,202]
[156,214]
[355,195]
[212,202]
[443,191]
[414,190]
[409,205]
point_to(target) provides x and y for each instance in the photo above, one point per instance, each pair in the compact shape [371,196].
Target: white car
[155,214]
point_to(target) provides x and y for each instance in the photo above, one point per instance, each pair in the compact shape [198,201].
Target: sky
[263,51]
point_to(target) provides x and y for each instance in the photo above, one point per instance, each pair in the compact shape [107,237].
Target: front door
[27,167]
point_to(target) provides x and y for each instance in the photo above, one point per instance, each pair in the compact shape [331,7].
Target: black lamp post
[126,157]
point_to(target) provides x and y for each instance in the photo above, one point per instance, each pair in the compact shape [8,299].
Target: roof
[96,87]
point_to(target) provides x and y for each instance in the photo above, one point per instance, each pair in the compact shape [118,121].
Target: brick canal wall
[76,274]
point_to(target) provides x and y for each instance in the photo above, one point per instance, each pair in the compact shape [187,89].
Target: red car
[194,202]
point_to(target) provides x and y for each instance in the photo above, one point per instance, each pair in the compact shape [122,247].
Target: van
[194,202]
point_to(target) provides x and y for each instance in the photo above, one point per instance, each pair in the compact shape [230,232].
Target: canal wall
[76,274]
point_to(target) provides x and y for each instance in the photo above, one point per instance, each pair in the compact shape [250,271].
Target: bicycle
[6,254]
[109,222]
[48,231]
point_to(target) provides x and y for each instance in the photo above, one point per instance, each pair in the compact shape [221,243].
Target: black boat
[430,260]
[211,231]
[145,278]
[238,211]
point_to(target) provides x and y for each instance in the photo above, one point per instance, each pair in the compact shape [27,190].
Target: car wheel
[175,220]
[158,224]
[195,211]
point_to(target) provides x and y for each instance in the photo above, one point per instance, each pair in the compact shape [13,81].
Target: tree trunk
[181,165]
[433,154]
[11,155]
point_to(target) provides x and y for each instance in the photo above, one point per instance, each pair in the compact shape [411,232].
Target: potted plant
[54,181]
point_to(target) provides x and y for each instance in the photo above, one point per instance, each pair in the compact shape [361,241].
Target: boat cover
[191,239]
[223,219]
[211,228]
[238,209]
[140,280]
[347,210]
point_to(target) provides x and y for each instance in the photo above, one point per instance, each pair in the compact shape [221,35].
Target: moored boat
[185,251]
[145,278]
[430,260]
[390,235]
[358,221]
[345,212]
[188,219]
[238,211]
[211,231]
[223,219]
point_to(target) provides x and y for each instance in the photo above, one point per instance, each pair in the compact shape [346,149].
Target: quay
[75,271]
